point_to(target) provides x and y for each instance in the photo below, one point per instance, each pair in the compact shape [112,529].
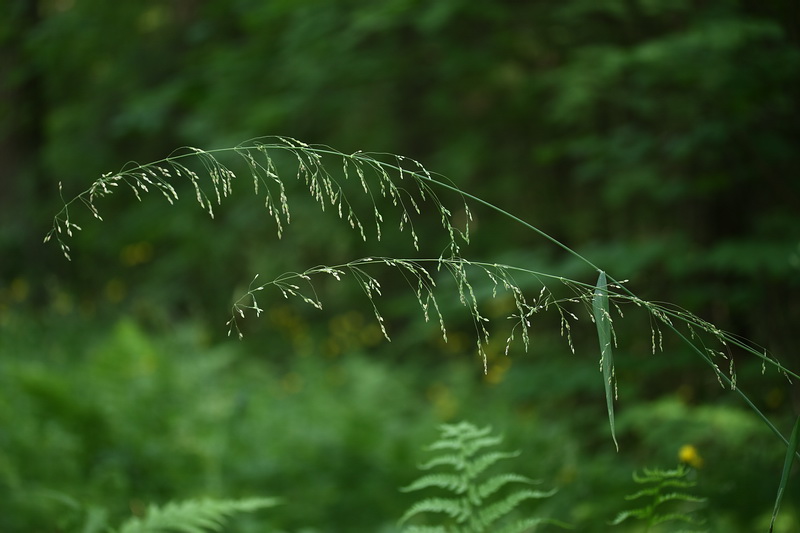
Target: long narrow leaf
[602,319]
[794,445]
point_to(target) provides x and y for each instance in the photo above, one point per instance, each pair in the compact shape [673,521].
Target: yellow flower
[689,455]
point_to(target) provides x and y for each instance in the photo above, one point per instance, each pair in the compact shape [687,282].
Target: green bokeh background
[658,138]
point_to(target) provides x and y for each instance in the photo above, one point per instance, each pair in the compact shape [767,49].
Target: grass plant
[399,191]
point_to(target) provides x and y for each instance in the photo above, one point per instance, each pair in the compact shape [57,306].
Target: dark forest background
[659,138]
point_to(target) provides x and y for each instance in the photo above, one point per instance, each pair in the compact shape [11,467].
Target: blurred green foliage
[656,137]
[101,420]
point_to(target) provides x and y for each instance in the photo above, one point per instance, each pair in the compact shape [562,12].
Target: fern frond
[485,461]
[477,505]
[642,493]
[192,516]
[452,482]
[679,496]
[453,508]
[658,509]
[530,524]
[679,483]
[496,511]
[656,475]
[456,461]
[472,446]
[495,483]
[467,443]
[631,513]
[454,434]
[676,517]
[425,529]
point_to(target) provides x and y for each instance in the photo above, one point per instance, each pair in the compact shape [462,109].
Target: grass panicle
[424,277]
[404,182]
[332,178]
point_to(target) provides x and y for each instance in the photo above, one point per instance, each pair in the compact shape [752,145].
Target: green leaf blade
[794,445]
[602,319]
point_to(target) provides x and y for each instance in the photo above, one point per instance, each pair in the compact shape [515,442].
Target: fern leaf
[676,517]
[679,496]
[465,438]
[485,461]
[192,516]
[632,513]
[642,493]
[445,445]
[455,461]
[679,483]
[495,483]
[477,505]
[656,475]
[463,430]
[450,482]
[530,524]
[471,447]
[453,508]
[494,512]
[653,512]
[425,529]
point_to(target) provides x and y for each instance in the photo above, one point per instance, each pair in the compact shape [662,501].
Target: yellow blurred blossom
[689,455]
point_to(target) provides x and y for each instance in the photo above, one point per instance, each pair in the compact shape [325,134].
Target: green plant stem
[729,383]
[369,159]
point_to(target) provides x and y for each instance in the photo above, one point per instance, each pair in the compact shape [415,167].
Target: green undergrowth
[102,418]
[386,197]
[365,191]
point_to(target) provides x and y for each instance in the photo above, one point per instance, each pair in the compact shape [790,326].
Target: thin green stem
[440,181]
[729,383]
